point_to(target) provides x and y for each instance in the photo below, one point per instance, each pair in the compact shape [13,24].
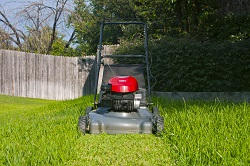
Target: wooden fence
[45,76]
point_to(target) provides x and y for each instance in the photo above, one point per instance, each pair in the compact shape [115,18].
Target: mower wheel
[158,121]
[159,126]
[82,124]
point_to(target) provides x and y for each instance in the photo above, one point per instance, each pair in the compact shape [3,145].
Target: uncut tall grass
[207,133]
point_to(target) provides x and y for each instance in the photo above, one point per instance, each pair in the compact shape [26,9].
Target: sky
[12,7]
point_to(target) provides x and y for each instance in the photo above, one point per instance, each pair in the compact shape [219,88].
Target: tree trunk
[178,10]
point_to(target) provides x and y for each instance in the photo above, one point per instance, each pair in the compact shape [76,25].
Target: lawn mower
[124,103]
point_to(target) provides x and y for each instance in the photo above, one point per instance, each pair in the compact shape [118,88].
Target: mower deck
[103,120]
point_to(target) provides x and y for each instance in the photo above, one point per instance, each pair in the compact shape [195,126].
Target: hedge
[189,65]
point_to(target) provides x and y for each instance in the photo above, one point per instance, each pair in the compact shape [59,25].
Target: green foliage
[58,48]
[189,65]
[5,42]
[86,27]
[42,132]
[203,20]
[37,40]
[86,21]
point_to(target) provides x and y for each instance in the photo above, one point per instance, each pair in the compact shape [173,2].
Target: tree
[5,42]
[201,20]
[86,21]
[37,40]
[15,32]
[42,20]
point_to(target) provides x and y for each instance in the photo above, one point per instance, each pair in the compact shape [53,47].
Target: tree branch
[72,37]
[7,22]
[58,14]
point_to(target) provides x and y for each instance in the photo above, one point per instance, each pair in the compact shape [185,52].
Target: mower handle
[124,23]
[123,56]
[99,56]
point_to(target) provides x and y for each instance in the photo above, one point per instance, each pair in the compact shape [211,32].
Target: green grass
[207,133]
[42,132]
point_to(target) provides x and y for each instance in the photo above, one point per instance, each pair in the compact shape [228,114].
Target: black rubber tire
[159,125]
[82,124]
[158,121]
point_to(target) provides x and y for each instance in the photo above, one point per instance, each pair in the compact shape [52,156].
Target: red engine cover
[123,84]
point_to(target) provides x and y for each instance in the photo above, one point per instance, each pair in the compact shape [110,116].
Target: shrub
[189,65]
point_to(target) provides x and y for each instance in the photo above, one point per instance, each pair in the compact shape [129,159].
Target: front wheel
[82,124]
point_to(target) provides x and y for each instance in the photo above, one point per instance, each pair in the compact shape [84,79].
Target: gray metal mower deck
[103,120]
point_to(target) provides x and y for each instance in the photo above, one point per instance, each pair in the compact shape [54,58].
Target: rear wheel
[82,124]
[158,121]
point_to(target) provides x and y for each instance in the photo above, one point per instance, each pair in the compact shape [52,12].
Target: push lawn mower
[124,104]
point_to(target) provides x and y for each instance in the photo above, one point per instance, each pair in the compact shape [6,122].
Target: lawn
[42,132]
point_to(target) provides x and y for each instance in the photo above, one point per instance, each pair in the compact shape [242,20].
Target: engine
[121,94]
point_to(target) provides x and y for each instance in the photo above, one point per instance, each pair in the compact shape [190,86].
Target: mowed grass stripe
[122,150]
[48,135]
